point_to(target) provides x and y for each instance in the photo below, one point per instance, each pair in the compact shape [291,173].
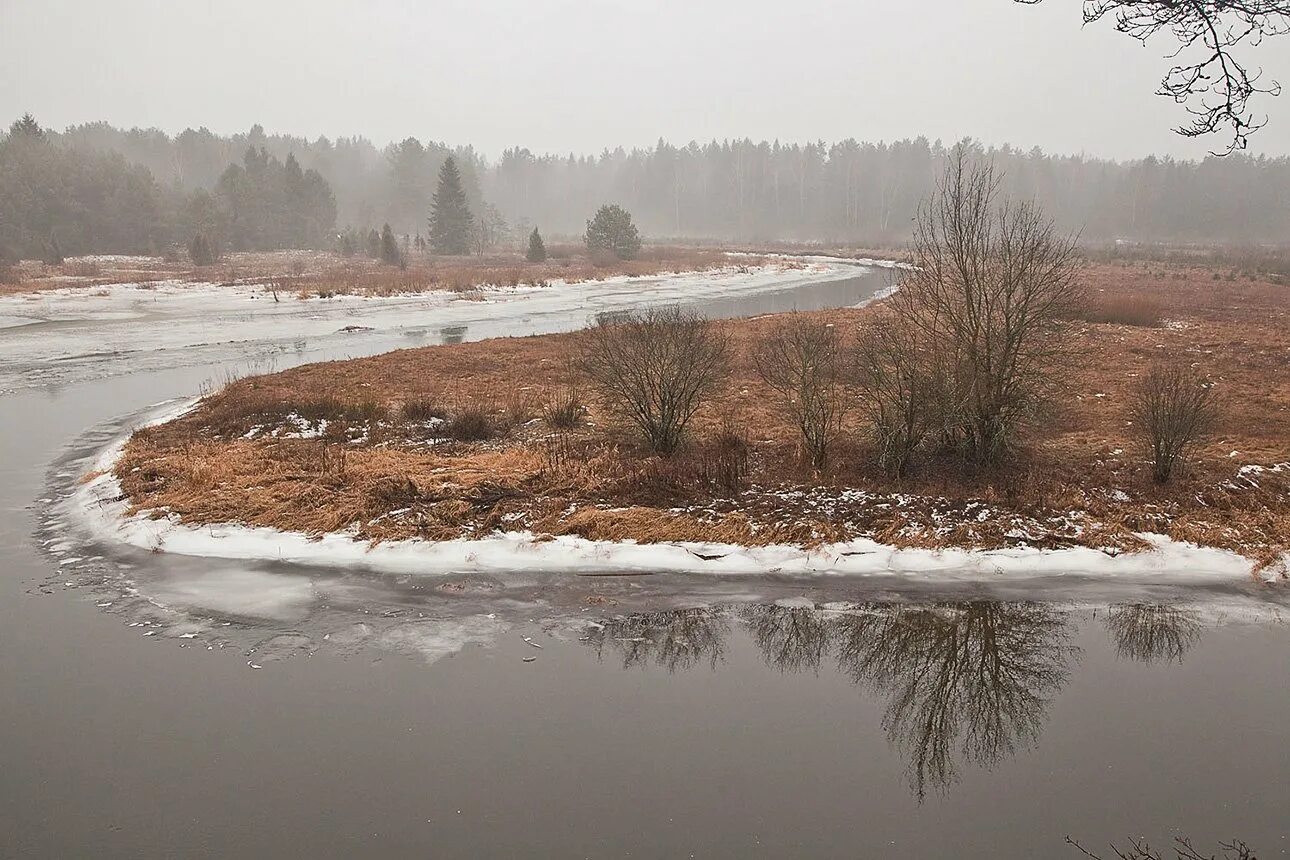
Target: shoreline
[101,509]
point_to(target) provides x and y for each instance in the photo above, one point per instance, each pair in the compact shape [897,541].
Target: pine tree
[450,219]
[374,245]
[27,127]
[537,250]
[200,251]
[53,254]
[389,247]
[612,230]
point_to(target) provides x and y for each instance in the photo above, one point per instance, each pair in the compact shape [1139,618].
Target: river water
[153,705]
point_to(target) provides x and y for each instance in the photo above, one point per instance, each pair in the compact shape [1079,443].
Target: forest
[98,189]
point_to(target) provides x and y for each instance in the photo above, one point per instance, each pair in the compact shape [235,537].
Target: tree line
[96,188]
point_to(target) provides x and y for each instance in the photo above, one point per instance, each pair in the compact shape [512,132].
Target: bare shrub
[895,391]
[469,422]
[562,407]
[654,368]
[991,290]
[798,359]
[422,409]
[723,460]
[1126,309]
[1172,409]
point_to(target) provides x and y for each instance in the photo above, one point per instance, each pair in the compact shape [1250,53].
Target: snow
[69,334]
[96,508]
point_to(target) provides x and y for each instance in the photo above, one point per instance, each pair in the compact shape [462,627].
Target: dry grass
[1079,478]
[319,273]
[1126,309]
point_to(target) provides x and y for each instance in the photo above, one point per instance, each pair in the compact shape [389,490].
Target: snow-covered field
[71,334]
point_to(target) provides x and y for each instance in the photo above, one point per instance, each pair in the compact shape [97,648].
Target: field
[320,273]
[463,440]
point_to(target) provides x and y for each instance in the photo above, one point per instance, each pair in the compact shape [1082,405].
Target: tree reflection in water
[790,639]
[965,680]
[676,639]
[1153,632]
[972,679]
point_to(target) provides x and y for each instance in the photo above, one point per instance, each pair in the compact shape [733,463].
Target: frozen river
[161,706]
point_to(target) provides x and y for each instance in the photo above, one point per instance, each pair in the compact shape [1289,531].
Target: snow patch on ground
[98,507]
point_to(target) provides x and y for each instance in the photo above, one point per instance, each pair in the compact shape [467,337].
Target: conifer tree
[389,247]
[451,224]
[200,251]
[537,250]
[374,244]
[612,230]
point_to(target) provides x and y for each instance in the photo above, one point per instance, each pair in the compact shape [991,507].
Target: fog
[582,76]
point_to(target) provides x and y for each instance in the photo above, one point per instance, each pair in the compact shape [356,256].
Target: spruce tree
[389,247]
[200,251]
[374,245]
[612,230]
[451,224]
[537,250]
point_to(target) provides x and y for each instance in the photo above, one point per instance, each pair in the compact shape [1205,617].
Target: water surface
[661,716]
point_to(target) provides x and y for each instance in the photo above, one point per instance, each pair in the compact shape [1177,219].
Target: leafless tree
[799,359]
[673,639]
[1153,631]
[895,390]
[1172,409]
[654,367]
[1214,86]
[1139,849]
[990,292]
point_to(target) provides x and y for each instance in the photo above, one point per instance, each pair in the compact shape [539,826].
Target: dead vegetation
[383,466]
[320,274]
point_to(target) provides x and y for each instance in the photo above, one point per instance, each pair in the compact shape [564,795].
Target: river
[153,705]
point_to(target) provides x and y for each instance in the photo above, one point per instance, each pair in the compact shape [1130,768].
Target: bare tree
[990,292]
[654,368]
[1215,87]
[799,360]
[895,387]
[1139,849]
[1172,409]
[1152,631]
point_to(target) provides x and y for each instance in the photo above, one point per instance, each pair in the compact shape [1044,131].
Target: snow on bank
[97,507]
[70,334]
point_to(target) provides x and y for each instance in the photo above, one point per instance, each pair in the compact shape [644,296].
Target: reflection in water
[679,639]
[969,681]
[1153,632]
[452,334]
[968,678]
[791,639]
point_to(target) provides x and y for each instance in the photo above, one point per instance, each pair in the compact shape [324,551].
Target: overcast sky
[560,75]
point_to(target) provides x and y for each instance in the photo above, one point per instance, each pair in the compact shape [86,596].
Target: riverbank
[322,461]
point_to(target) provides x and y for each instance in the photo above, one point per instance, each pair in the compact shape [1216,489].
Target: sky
[580,76]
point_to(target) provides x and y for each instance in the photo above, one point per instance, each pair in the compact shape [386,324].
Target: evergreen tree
[537,250]
[390,247]
[450,219]
[53,254]
[200,251]
[612,230]
[27,127]
[374,245]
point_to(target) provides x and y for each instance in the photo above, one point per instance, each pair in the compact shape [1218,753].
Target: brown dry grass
[382,470]
[320,273]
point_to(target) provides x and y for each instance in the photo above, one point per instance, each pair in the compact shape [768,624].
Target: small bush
[723,460]
[562,408]
[799,361]
[654,368]
[421,410]
[469,423]
[1126,309]
[1172,410]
